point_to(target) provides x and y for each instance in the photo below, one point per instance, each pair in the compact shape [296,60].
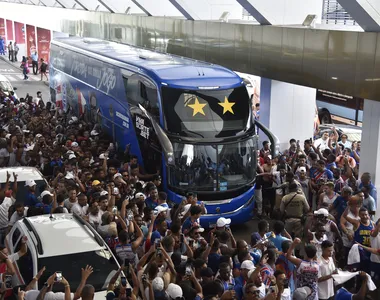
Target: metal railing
[334,13]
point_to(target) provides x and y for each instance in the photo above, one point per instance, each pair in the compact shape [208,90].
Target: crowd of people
[316,216]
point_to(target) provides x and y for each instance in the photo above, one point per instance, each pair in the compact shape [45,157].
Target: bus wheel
[325,117]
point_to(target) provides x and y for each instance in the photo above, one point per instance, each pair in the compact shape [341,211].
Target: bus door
[142,93]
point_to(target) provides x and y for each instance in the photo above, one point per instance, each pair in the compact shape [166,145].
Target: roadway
[14,74]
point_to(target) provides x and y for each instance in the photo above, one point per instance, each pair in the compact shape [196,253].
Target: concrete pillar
[370,144]
[288,110]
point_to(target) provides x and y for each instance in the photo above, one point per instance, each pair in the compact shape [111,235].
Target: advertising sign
[10,36]
[43,41]
[19,33]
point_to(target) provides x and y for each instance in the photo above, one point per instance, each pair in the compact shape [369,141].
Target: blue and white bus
[189,119]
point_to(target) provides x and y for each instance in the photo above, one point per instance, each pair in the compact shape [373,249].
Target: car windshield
[212,167]
[70,265]
[206,113]
[5,86]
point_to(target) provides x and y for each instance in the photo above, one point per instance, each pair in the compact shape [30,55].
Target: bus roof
[173,70]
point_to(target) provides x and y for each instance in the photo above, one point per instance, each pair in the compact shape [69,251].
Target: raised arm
[86,272]
[289,255]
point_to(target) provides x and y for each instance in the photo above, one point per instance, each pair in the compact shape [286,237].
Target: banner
[19,33]
[2,29]
[31,45]
[10,36]
[43,40]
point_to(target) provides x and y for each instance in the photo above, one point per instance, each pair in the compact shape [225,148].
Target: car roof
[24,173]
[173,70]
[63,234]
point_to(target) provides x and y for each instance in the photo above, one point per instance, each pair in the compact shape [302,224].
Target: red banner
[43,40]
[10,30]
[19,33]
[2,29]
[31,43]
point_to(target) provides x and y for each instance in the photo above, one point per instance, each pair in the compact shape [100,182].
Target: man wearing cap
[30,199]
[174,291]
[222,223]
[240,281]
[321,216]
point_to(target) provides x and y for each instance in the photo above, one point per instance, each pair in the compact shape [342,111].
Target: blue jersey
[363,234]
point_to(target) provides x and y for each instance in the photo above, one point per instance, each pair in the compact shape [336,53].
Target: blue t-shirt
[343,294]
[371,189]
[277,241]
[155,236]
[239,284]
[47,208]
[340,204]
[213,262]
[31,199]
[186,226]
[150,203]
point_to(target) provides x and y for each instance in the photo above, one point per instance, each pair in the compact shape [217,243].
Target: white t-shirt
[324,144]
[69,204]
[79,210]
[15,217]
[33,294]
[325,288]
[375,243]
[96,220]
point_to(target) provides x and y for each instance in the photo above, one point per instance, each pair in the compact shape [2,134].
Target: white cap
[301,293]
[69,175]
[160,208]
[117,175]
[38,135]
[74,144]
[44,193]
[8,136]
[94,133]
[102,156]
[158,284]
[322,211]
[74,118]
[103,193]
[174,291]
[71,156]
[250,272]
[302,169]
[221,222]
[70,152]
[138,195]
[247,264]
[30,182]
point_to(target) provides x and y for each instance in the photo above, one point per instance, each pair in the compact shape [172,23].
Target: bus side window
[139,93]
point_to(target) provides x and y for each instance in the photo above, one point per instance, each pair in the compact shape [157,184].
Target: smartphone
[58,276]
[130,215]
[159,253]
[128,292]
[230,287]
[191,243]
[116,191]
[143,277]
[157,243]
[188,270]
[182,239]
[114,210]
[8,281]
[123,281]
[155,213]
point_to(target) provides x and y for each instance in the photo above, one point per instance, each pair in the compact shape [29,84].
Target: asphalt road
[13,73]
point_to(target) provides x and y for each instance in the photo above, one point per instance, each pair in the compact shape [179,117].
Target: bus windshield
[213,167]
[206,113]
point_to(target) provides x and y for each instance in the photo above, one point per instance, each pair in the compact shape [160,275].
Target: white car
[24,173]
[6,87]
[64,243]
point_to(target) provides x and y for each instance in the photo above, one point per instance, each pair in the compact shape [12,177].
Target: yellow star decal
[197,107]
[227,106]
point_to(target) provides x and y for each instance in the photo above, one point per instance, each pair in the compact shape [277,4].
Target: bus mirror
[274,141]
[166,144]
